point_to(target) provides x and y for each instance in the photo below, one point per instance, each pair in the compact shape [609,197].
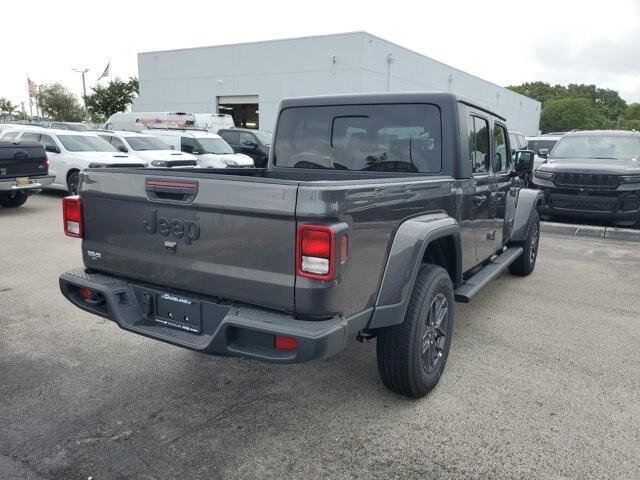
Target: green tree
[115,97]
[539,91]
[564,114]
[607,102]
[6,107]
[59,104]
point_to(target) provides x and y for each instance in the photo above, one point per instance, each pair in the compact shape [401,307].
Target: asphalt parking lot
[543,381]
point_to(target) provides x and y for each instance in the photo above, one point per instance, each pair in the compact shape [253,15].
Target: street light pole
[84,85]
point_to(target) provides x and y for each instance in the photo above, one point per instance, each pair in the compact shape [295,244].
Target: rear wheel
[73,179]
[16,199]
[412,355]
[525,264]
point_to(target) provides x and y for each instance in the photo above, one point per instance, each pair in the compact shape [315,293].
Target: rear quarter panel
[373,212]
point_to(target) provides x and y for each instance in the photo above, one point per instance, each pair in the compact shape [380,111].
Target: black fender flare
[528,199]
[403,262]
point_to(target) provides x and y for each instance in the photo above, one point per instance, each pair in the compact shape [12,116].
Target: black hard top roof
[374,98]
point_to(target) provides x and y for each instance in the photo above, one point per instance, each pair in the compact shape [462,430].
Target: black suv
[254,143]
[593,174]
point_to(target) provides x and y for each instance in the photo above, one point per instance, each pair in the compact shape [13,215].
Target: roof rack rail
[164,127]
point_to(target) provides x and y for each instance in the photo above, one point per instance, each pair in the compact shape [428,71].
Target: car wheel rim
[73,184]
[533,250]
[434,336]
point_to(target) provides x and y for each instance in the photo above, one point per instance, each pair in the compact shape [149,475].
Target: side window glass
[232,137]
[246,139]
[10,135]
[502,158]
[47,141]
[188,144]
[479,145]
[30,137]
[119,144]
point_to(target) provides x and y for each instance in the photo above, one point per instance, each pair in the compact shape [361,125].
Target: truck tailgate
[22,159]
[228,238]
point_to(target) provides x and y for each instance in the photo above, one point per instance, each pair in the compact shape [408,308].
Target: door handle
[478,200]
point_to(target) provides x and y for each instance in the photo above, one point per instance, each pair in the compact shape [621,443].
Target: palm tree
[6,107]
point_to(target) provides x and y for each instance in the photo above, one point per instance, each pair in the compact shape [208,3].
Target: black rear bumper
[228,329]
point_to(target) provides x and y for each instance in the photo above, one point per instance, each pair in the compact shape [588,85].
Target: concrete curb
[613,233]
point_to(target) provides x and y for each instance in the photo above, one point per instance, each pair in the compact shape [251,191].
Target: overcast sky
[506,42]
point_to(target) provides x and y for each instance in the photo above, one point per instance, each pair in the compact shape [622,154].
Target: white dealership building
[248,80]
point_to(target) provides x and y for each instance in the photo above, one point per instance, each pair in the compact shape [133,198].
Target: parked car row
[70,150]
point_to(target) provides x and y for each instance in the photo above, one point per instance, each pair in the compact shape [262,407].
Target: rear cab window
[388,138]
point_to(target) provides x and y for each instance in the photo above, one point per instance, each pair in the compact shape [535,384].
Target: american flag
[106,73]
[33,87]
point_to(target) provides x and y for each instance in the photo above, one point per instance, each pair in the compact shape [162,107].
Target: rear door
[479,200]
[213,235]
[502,181]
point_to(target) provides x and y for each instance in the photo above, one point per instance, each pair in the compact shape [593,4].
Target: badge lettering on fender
[177,227]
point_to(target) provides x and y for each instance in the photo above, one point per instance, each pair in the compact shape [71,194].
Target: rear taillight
[72,216]
[282,342]
[316,251]
[46,160]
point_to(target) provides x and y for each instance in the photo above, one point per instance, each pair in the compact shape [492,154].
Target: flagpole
[30,99]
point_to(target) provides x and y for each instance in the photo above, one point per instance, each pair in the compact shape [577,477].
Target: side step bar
[495,267]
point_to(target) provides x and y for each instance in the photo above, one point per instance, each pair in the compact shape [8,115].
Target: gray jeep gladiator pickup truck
[24,170]
[375,213]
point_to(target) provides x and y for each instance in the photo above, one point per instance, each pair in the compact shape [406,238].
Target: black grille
[587,181]
[595,204]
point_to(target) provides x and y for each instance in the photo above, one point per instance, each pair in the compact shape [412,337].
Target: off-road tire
[526,262]
[12,201]
[400,348]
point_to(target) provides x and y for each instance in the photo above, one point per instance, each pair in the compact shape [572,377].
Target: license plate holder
[22,181]
[177,311]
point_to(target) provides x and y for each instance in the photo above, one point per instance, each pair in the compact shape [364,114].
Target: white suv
[70,152]
[150,149]
[211,150]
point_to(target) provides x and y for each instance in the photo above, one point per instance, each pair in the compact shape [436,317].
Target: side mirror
[172,147]
[524,161]
[52,149]
[543,152]
[122,149]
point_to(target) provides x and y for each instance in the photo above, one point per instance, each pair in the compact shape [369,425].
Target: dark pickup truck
[24,170]
[375,214]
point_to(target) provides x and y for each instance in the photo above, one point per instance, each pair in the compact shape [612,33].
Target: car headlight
[542,175]
[630,179]
[159,163]
[229,163]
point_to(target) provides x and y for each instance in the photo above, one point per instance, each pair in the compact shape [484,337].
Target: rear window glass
[390,138]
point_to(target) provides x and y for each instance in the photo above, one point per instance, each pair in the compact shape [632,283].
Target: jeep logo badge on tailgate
[179,228]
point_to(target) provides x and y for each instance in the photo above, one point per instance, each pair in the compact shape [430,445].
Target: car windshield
[389,138]
[147,143]
[536,145]
[85,143]
[214,145]
[597,147]
[264,137]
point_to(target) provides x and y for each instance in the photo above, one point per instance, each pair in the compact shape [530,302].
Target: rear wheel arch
[427,239]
